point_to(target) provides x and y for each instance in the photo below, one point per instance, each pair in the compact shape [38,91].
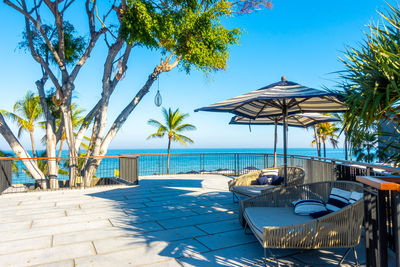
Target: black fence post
[129,169]
[382,229]
[396,226]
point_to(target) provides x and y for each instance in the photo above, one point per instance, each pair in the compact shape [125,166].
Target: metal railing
[116,169]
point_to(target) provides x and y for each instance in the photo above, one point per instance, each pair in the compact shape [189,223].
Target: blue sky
[302,40]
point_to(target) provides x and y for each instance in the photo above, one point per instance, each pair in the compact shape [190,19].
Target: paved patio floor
[165,221]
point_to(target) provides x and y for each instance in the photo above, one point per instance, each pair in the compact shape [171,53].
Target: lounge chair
[271,218]
[246,185]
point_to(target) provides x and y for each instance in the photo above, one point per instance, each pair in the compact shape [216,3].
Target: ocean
[337,153]
[149,165]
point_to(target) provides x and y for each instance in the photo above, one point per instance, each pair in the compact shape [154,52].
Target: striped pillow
[338,199]
[308,206]
[355,196]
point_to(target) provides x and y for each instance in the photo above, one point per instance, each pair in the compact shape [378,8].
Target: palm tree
[368,143]
[173,126]
[370,77]
[327,131]
[25,113]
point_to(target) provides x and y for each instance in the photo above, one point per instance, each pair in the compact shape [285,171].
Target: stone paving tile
[24,218]
[88,235]
[157,253]
[160,216]
[325,257]
[55,229]
[112,212]
[244,255]
[218,227]
[132,240]
[199,219]
[32,211]
[111,205]
[197,212]
[168,263]
[152,210]
[226,239]
[72,219]
[176,233]
[135,227]
[201,209]
[41,256]
[68,263]
[24,244]
[5,227]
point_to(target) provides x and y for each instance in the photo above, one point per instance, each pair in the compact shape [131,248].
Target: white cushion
[308,206]
[269,172]
[250,191]
[260,217]
[338,199]
[355,196]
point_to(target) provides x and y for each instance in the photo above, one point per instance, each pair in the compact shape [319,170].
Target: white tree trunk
[51,139]
[69,134]
[15,145]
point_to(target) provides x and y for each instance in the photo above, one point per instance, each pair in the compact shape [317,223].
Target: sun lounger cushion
[338,199]
[250,190]
[355,196]
[269,172]
[260,217]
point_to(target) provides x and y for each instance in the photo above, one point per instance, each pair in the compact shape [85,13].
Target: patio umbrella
[281,98]
[302,120]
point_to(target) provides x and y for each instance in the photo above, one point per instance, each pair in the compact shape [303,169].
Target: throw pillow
[338,199]
[308,206]
[264,180]
[277,180]
[355,196]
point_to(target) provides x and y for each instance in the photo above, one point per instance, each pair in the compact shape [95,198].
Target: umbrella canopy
[281,98]
[277,97]
[303,120]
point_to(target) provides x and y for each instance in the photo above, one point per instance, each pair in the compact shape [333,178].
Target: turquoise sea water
[149,165]
[337,153]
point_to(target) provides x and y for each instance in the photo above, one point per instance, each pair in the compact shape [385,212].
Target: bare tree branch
[36,22]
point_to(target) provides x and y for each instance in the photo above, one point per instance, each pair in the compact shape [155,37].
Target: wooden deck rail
[381,183]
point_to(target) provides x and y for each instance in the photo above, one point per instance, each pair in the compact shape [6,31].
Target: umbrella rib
[261,110]
[302,124]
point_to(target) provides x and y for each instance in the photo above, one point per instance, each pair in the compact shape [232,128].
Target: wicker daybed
[246,185]
[271,218]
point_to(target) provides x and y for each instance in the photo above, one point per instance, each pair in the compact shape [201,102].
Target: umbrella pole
[275,140]
[285,141]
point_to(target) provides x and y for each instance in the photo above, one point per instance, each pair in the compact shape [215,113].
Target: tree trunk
[346,153]
[90,168]
[323,141]
[69,134]
[32,144]
[52,165]
[51,139]
[275,141]
[317,141]
[169,154]
[15,145]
